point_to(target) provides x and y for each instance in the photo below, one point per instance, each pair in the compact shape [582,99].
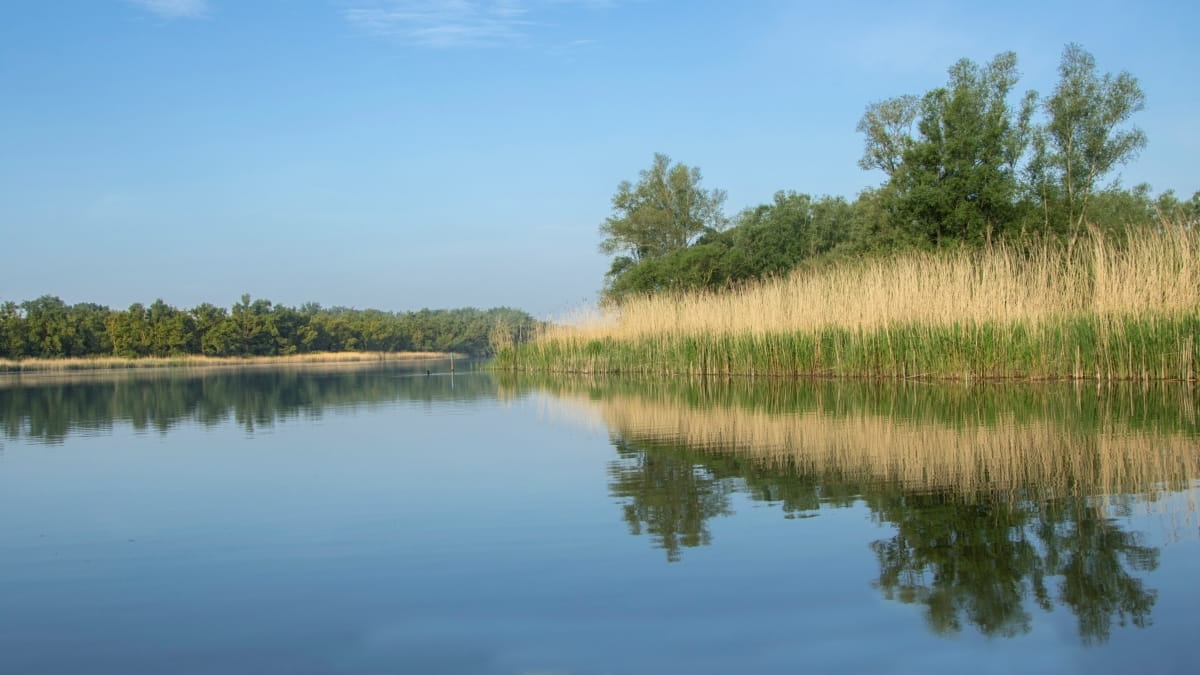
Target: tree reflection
[1091,553]
[667,497]
[997,498]
[979,563]
[983,560]
[968,563]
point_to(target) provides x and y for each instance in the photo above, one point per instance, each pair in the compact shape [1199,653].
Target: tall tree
[206,317]
[12,331]
[129,332]
[172,332]
[958,180]
[255,327]
[91,335]
[888,127]
[1085,134]
[49,331]
[666,210]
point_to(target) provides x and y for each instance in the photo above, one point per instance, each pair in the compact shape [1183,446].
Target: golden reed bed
[1153,273]
[1108,311]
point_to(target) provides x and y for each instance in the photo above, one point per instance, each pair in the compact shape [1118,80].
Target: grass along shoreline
[34,365]
[1108,311]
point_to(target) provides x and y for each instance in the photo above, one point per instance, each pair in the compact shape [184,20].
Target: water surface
[357,519]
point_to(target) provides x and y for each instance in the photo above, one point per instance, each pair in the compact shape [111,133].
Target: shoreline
[189,361]
[1109,310]
[1154,347]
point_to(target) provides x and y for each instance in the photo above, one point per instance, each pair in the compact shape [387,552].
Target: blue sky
[441,153]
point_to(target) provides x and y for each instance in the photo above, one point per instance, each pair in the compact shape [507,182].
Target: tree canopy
[1085,140]
[968,163]
[958,178]
[665,211]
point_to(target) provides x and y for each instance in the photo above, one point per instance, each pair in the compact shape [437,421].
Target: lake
[378,519]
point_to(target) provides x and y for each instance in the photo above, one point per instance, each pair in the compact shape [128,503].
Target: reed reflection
[1000,500]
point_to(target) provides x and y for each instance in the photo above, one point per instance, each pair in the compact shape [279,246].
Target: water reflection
[49,407]
[667,497]
[995,502]
[979,563]
[1000,499]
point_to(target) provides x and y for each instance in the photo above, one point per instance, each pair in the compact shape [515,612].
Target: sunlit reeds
[1124,310]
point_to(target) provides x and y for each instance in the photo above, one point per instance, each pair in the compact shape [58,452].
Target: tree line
[50,328]
[968,163]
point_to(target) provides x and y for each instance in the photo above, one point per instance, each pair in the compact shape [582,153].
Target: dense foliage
[48,327]
[769,239]
[965,164]
[664,213]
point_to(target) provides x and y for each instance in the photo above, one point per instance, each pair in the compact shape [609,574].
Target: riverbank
[196,361]
[1109,310]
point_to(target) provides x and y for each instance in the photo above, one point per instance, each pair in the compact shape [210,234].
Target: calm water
[381,520]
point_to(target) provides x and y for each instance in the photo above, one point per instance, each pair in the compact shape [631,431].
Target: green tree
[256,332]
[769,239]
[888,130]
[12,331]
[91,333]
[1085,135]
[222,339]
[1170,210]
[1115,210]
[172,332]
[666,210]
[49,331]
[206,317]
[958,181]
[129,332]
[287,323]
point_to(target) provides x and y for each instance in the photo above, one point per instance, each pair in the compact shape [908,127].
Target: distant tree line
[968,163]
[49,328]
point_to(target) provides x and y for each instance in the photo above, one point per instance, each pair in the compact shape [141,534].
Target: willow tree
[665,211]
[1085,134]
[956,178]
[888,128]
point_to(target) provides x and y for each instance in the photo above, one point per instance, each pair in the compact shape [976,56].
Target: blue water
[474,529]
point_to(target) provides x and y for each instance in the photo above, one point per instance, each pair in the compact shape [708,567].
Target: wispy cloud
[570,48]
[445,23]
[455,23]
[174,9]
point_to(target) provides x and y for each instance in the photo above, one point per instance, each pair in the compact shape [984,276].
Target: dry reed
[1127,309]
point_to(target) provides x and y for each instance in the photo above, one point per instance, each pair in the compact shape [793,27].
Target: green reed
[1144,347]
